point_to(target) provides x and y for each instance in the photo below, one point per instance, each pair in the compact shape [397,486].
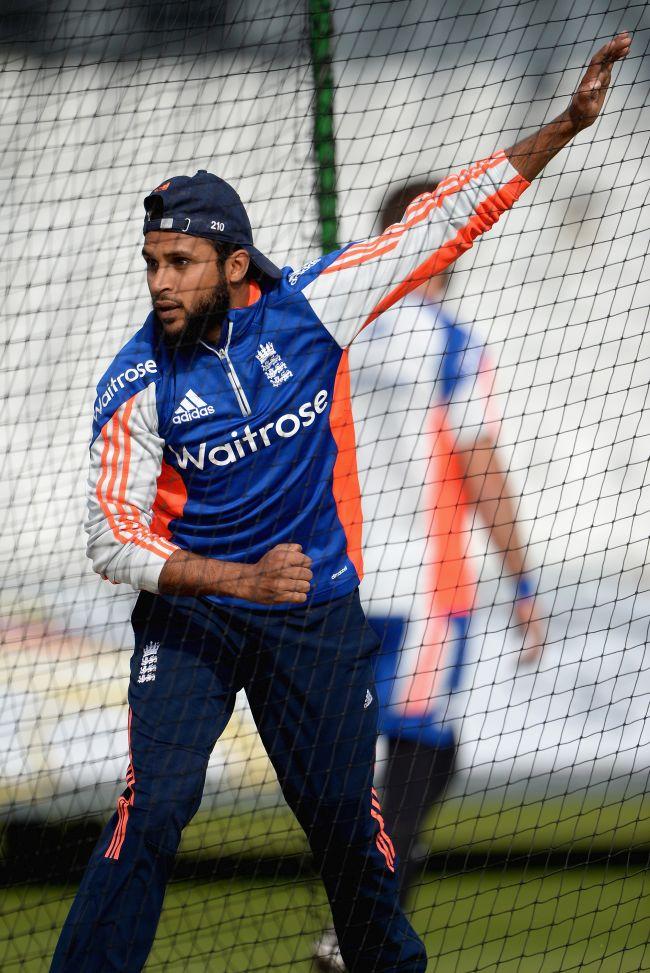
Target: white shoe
[327,955]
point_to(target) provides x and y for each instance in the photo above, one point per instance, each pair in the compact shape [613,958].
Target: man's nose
[162,280]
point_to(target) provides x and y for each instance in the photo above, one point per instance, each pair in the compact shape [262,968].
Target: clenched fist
[283,574]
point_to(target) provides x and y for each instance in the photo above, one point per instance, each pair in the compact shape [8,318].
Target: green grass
[458,825]
[587,919]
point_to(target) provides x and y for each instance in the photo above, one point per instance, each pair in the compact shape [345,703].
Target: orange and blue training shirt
[226,450]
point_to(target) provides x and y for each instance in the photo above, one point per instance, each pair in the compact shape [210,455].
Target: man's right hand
[282,575]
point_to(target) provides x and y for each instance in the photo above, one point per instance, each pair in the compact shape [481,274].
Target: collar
[254,293]
[243,318]
[238,321]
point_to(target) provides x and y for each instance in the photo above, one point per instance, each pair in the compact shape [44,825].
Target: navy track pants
[307,673]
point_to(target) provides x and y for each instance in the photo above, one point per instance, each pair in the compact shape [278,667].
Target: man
[223,486]
[427,450]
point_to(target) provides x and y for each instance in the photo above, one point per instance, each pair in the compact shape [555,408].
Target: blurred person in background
[427,427]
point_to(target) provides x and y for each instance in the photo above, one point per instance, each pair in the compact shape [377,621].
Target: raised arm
[349,289]
[534,152]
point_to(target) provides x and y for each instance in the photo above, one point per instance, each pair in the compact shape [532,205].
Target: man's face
[187,285]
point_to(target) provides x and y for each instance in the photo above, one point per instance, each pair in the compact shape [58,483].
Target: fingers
[297,587]
[296,560]
[530,656]
[295,595]
[282,576]
[284,582]
[279,586]
[294,598]
[599,71]
[618,48]
[289,548]
[533,630]
[291,591]
[614,50]
[288,575]
[284,598]
[298,574]
[589,98]
[290,555]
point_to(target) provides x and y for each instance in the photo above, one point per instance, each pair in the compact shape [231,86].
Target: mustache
[165,303]
[207,316]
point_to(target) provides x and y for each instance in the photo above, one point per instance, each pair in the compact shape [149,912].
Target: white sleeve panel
[472,413]
[125,462]
[368,277]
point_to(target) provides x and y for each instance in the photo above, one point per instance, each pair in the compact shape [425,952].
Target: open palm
[588,100]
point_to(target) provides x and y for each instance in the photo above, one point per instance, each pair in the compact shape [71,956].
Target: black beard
[207,316]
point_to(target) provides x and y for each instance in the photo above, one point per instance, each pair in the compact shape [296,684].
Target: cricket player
[426,432]
[223,487]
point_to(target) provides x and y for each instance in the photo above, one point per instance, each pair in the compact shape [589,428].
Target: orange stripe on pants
[123,805]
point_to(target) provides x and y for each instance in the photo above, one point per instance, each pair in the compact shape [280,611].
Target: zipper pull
[223,352]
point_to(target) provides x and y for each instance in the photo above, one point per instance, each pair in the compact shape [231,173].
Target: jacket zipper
[224,357]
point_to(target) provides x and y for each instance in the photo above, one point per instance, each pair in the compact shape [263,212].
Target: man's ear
[236,266]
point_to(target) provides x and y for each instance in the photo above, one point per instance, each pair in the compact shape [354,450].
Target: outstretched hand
[588,100]
[535,151]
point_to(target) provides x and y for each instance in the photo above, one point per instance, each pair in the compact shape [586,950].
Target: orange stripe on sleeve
[142,536]
[416,212]
[126,460]
[159,543]
[482,220]
[126,523]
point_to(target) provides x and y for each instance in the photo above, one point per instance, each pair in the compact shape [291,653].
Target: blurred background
[537,854]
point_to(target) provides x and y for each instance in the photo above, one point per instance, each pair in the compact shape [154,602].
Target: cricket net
[316,112]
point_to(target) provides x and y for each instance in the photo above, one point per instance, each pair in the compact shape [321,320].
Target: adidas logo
[368,699]
[192,407]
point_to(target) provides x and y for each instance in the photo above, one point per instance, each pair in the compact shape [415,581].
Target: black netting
[501,416]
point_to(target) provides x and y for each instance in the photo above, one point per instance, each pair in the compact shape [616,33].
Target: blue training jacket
[228,450]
